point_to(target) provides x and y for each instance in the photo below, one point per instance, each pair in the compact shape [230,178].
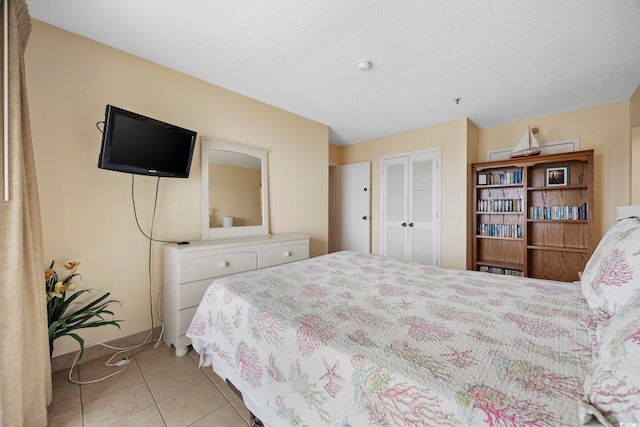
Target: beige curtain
[25,368]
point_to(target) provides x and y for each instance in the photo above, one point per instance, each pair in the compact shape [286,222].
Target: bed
[351,339]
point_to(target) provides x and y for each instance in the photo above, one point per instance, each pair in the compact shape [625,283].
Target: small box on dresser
[188,270]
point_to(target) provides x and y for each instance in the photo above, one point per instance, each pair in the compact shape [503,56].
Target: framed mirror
[235,199]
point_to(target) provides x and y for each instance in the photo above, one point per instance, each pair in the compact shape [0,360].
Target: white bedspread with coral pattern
[349,339]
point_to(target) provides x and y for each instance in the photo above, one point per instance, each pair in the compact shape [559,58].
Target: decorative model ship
[527,146]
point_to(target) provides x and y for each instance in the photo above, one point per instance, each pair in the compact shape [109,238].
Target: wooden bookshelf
[533,216]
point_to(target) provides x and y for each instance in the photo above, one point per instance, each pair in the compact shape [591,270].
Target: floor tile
[66,395]
[70,418]
[179,376]
[240,408]
[149,417]
[228,392]
[191,404]
[211,373]
[129,375]
[117,405]
[153,360]
[96,368]
[225,416]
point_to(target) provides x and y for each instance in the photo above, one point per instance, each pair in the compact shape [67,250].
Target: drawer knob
[287,253]
[224,264]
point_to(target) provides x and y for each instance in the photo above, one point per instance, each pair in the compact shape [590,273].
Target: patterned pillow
[612,275]
[614,386]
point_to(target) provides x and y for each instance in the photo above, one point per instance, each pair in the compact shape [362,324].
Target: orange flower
[58,289]
[48,274]
[71,265]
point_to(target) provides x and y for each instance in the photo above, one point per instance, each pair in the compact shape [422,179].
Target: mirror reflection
[235,189]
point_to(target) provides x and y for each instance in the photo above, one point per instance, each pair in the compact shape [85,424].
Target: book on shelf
[499,205]
[568,213]
[500,230]
[505,177]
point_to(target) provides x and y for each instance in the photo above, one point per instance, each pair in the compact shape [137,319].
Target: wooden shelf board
[557,249]
[507,265]
[500,238]
[560,187]
[498,213]
[565,221]
[479,187]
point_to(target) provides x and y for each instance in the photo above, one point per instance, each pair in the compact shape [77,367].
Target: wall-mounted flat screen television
[137,144]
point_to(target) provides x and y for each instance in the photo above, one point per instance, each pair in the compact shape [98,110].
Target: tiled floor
[156,389]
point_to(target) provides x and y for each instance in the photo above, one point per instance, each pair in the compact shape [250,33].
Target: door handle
[364,217]
[404,224]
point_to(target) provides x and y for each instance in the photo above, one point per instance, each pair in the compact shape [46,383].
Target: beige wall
[335,154]
[605,129]
[635,166]
[634,108]
[634,114]
[452,139]
[87,213]
[472,157]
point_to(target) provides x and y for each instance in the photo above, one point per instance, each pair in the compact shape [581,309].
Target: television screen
[137,144]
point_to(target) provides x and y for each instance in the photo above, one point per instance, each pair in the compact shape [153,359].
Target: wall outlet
[536,130]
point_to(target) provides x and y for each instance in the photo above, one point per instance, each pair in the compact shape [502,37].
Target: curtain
[25,365]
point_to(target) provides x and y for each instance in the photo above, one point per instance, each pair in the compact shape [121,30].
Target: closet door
[395,194]
[423,209]
[410,204]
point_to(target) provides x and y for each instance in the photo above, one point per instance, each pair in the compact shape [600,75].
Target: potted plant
[63,319]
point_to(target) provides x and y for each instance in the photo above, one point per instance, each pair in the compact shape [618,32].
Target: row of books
[505,177]
[500,230]
[499,205]
[558,212]
[498,270]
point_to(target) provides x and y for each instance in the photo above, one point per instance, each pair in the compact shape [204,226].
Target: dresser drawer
[282,254]
[216,266]
[185,317]
[190,294]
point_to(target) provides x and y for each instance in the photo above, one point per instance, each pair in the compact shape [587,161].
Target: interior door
[395,197]
[423,208]
[353,184]
[410,229]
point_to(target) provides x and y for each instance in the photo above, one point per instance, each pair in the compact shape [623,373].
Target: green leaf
[93,303]
[81,342]
[94,324]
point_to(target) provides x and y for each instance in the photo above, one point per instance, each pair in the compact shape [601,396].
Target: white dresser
[188,270]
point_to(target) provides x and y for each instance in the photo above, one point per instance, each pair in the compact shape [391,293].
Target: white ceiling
[508,60]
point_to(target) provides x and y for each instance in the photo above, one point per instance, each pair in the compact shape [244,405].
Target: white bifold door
[410,223]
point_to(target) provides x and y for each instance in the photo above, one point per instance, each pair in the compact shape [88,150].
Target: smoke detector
[363,64]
